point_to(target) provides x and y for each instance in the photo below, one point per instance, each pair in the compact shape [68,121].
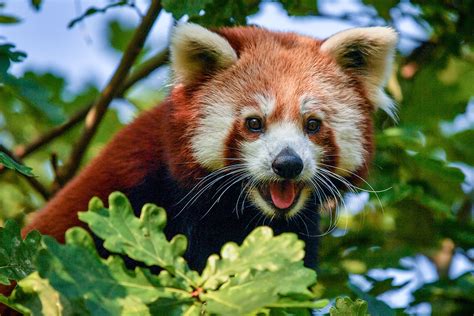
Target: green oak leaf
[259,251]
[265,272]
[16,255]
[375,306]
[141,239]
[259,289]
[344,306]
[38,297]
[96,286]
[288,303]
[171,307]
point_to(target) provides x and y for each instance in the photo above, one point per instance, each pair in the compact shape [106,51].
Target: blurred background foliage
[420,219]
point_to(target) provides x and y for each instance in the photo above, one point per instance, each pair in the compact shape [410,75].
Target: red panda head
[286,115]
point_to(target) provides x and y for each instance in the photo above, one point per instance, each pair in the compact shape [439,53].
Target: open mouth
[283,195]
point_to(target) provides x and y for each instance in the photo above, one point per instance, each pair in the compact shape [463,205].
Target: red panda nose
[287,164]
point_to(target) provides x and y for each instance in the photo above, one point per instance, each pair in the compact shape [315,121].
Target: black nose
[287,164]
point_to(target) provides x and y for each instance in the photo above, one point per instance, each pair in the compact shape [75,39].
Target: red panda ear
[197,52]
[367,52]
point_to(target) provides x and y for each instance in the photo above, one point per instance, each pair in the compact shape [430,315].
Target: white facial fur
[211,133]
[259,154]
[344,116]
[218,120]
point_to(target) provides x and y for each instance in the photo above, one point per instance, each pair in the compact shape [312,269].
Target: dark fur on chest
[207,233]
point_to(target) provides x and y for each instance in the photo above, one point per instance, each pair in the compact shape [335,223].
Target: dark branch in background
[146,68]
[97,112]
[38,186]
[93,10]
[357,18]
[142,71]
[24,150]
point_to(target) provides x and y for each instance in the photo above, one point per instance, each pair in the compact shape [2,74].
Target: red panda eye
[313,126]
[254,124]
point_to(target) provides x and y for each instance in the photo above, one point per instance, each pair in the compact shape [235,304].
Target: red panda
[259,128]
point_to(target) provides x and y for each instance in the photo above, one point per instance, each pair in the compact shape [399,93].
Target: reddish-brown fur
[161,137]
[157,137]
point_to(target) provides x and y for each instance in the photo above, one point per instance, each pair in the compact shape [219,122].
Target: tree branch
[141,72]
[22,151]
[97,112]
[38,186]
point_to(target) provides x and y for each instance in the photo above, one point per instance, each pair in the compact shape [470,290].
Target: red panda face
[286,115]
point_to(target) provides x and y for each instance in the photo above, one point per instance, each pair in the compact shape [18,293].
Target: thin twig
[38,186]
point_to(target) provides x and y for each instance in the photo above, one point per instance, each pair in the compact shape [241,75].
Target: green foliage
[36,294]
[449,92]
[383,7]
[181,8]
[8,162]
[140,239]
[7,56]
[300,7]
[375,306]
[420,203]
[16,255]
[8,19]
[345,306]
[36,4]
[449,297]
[221,12]
[72,277]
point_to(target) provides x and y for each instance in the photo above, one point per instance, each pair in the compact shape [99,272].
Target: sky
[80,54]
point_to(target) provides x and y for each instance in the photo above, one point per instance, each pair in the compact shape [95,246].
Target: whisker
[223,192]
[372,190]
[219,174]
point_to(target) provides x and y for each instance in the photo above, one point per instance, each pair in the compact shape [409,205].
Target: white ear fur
[196,51]
[368,52]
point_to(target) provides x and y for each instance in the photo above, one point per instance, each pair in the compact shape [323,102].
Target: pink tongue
[283,193]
